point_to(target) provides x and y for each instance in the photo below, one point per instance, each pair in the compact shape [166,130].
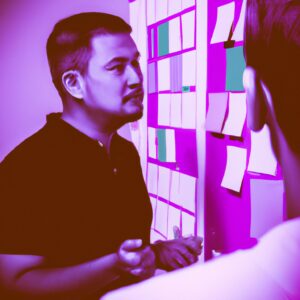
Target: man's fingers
[130,245]
[127,255]
[194,245]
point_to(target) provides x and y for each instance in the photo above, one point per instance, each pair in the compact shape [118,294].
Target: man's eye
[136,63]
[117,68]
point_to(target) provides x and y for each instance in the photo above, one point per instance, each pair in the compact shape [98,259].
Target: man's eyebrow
[121,59]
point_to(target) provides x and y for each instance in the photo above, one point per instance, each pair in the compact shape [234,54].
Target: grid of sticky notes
[172,102]
[250,160]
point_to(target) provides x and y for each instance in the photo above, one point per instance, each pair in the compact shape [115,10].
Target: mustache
[135,93]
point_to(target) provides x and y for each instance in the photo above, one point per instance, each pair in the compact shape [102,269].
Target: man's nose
[134,76]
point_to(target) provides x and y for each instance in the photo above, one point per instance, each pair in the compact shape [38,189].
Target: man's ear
[256,101]
[73,83]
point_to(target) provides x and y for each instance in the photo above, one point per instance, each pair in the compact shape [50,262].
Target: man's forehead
[114,44]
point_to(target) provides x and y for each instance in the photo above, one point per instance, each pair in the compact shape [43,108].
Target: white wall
[27,93]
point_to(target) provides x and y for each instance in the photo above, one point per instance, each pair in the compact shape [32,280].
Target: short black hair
[68,46]
[272,48]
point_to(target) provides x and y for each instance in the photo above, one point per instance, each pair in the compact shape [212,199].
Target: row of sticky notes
[161,144]
[216,119]
[263,162]
[173,74]
[224,23]
[165,217]
[160,9]
[179,188]
[177,110]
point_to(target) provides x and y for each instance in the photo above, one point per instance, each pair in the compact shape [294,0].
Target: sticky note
[175,188]
[153,204]
[163,39]
[262,159]
[175,115]
[188,224]
[238,33]
[161,221]
[237,114]
[235,66]
[164,176]
[188,30]
[189,68]
[161,9]
[173,220]
[176,73]
[174,35]
[152,175]
[235,168]
[163,74]
[187,191]
[186,3]
[150,12]
[189,109]
[225,17]
[152,83]
[152,142]
[217,106]
[266,205]
[174,7]
[161,141]
[164,108]
[170,142]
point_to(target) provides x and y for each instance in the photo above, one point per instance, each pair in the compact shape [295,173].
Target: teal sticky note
[163,39]
[235,66]
[162,147]
[186,89]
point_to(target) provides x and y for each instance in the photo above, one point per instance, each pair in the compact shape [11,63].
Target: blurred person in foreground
[75,213]
[271,269]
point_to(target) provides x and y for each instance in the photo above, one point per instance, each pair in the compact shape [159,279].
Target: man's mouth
[135,97]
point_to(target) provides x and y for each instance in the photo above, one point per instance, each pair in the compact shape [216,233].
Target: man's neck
[91,129]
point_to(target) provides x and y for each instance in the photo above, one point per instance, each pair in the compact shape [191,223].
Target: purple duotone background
[227,213]
[27,93]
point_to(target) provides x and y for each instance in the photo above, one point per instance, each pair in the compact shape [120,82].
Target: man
[270,270]
[75,214]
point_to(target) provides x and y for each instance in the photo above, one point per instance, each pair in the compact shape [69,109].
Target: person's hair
[68,46]
[272,48]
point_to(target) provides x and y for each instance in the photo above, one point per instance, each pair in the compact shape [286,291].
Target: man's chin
[135,117]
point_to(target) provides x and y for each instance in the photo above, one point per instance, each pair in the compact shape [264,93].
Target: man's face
[114,82]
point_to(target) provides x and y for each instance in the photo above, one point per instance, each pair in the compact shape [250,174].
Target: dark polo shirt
[63,197]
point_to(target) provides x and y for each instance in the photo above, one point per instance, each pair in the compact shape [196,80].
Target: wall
[26,89]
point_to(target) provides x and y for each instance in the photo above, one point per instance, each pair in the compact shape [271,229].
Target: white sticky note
[161,219]
[152,142]
[225,18]
[235,168]
[217,107]
[152,174]
[187,3]
[189,110]
[237,114]
[164,176]
[174,35]
[161,9]
[174,7]
[188,30]
[173,220]
[164,108]
[238,34]
[188,191]
[189,68]
[153,204]
[175,188]
[175,115]
[188,224]
[266,205]
[262,159]
[164,80]
[170,144]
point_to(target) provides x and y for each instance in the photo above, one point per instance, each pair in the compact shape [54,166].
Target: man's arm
[28,276]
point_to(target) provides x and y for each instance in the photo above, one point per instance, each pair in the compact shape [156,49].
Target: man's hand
[177,253]
[137,260]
